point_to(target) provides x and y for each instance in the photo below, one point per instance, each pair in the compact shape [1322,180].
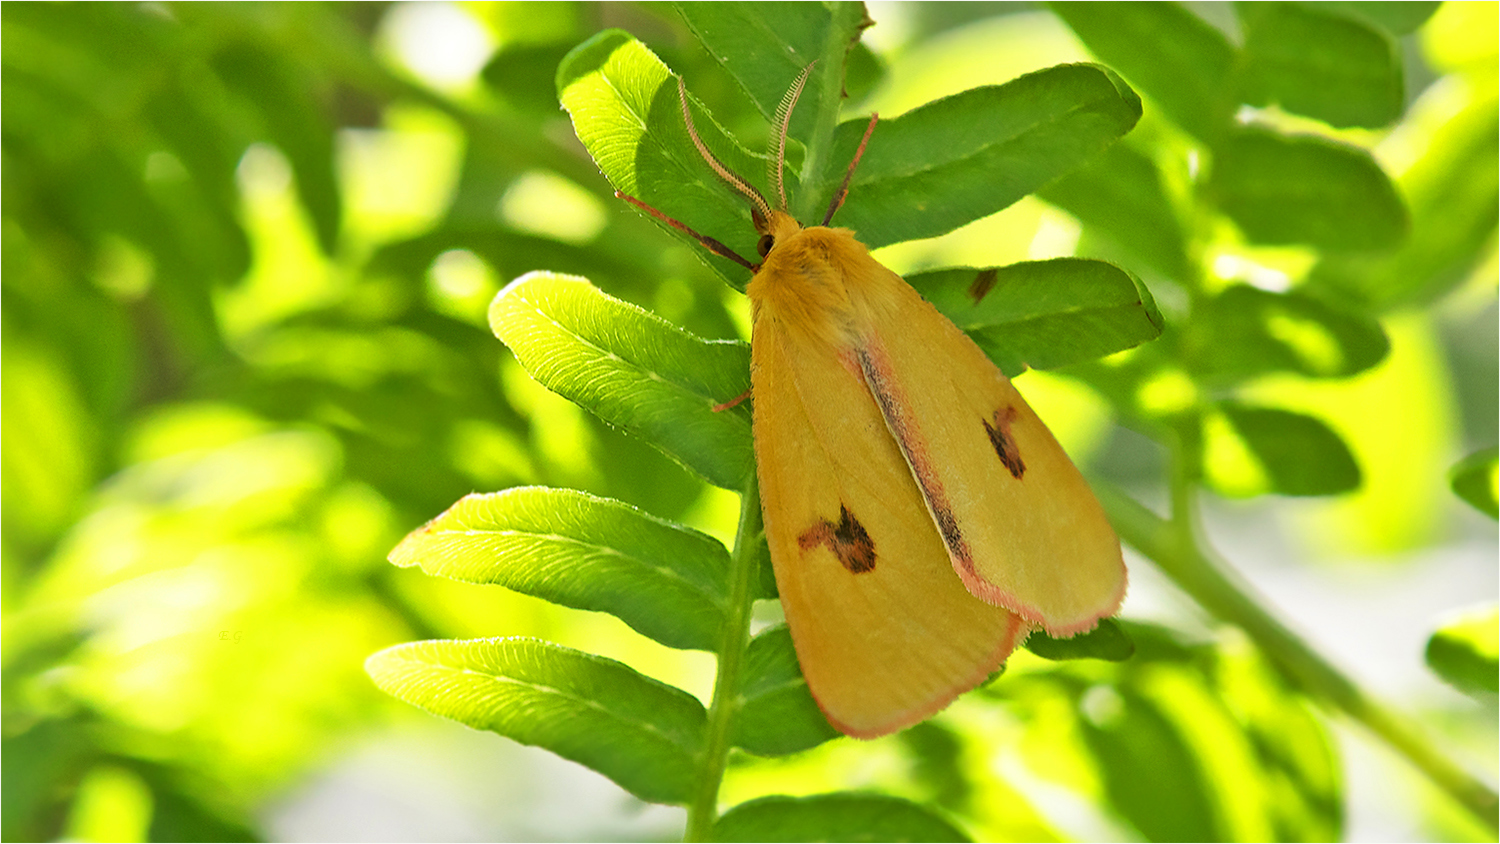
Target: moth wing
[1022,527]
[884,632]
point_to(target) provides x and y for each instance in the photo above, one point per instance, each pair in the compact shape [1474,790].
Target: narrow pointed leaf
[632,369]
[1045,314]
[960,158]
[834,817]
[1244,332]
[664,580]
[1108,641]
[1176,58]
[642,734]
[777,713]
[1474,480]
[1466,652]
[1306,189]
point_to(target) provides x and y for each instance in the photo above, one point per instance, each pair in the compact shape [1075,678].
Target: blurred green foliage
[248,255]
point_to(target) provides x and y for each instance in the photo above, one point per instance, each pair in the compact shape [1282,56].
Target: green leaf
[1174,57]
[1305,189]
[1192,741]
[777,714]
[1108,641]
[664,580]
[1121,194]
[1244,331]
[833,817]
[765,47]
[625,109]
[1045,314]
[1474,480]
[960,158]
[1454,193]
[1397,18]
[1299,454]
[1175,800]
[1466,651]
[1323,65]
[632,369]
[296,123]
[642,734]
[522,74]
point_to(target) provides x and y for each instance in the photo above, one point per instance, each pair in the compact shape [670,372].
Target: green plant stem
[817,170]
[704,809]
[1201,573]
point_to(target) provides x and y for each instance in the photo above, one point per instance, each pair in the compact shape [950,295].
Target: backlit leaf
[642,734]
[632,369]
[664,580]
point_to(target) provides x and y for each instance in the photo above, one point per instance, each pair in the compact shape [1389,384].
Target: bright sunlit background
[234,378]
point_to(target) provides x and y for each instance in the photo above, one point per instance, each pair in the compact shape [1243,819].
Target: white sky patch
[439,42]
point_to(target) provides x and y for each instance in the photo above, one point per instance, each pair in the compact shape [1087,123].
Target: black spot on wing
[848,540]
[1005,446]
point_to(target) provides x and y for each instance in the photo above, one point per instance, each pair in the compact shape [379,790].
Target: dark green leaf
[522,74]
[960,158]
[765,47]
[1045,314]
[1174,57]
[625,109]
[1306,189]
[664,580]
[1323,65]
[1466,652]
[1474,480]
[1152,776]
[1299,454]
[1245,331]
[632,369]
[1194,740]
[642,734]
[296,124]
[1400,17]
[833,817]
[1454,193]
[777,713]
[1108,641]
[1121,194]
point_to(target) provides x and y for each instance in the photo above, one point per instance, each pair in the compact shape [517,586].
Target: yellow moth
[921,518]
